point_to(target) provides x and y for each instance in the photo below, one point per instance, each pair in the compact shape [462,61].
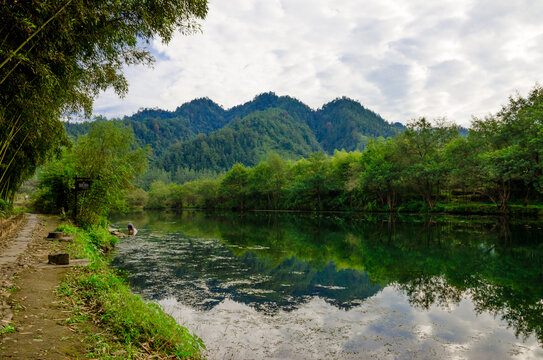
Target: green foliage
[55,192]
[136,198]
[6,329]
[108,156]
[164,196]
[6,209]
[141,327]
[311,184]
[344,124]
[92,242]
[429,167]
[421,152]
[246,141]
[380,177]
[56,57]
[502,155]
[234,187]
[245,134]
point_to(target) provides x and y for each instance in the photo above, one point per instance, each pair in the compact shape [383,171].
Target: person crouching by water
[131,229]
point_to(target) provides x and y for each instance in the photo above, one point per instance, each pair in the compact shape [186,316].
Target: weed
[4,329]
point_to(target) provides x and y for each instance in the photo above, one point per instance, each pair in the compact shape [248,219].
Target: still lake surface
[332,286]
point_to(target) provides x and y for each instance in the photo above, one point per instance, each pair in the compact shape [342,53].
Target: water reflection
[279,264]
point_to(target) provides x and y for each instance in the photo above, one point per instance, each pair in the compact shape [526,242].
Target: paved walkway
[24,236]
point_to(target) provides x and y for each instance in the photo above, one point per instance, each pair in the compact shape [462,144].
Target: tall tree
[234,186]
[510,149]
[109,156]
[56,56]
[381,176]
[422,146]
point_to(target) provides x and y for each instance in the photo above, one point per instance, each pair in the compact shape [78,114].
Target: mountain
[345,124]
[340,124]
[295,108]
[247,140]
[201,134]
[161,128]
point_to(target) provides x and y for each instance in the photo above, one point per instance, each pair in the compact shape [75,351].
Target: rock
[55,235]
[59,259]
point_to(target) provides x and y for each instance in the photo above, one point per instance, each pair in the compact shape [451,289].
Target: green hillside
[346,124]
[201,135]
[246,141]
[161,128]
[295,108]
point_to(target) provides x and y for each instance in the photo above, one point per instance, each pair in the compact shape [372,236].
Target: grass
[4,329]
[98,293]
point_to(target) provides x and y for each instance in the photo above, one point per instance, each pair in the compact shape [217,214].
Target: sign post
[81,184]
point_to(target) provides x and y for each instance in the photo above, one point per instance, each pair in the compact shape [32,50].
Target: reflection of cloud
[319,50]
[384,326]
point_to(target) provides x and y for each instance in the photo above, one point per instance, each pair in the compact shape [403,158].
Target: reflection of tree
[426,291]
[498,264]
[436,260]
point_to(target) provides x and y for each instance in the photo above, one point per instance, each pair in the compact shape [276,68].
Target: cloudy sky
[402,59]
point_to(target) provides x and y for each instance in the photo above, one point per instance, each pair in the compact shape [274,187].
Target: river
[337,286]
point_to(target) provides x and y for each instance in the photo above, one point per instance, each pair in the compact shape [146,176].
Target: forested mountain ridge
[161,128]
[345,124]
[246,141]
[341,124]
[294,107]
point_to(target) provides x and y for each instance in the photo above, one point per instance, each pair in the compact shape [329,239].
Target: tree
[267,179]
[109,156]
[425,168]
[56,56]
[311,185]
[382,172]
[509,149]
[521,123]
[234,186]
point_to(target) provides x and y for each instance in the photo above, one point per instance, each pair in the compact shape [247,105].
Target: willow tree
[57,56]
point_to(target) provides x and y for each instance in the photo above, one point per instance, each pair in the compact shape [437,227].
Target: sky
[401,59]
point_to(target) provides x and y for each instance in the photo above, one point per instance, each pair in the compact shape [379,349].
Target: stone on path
[55,235]
[59,259]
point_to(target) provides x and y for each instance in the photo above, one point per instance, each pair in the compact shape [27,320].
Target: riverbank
[52,312]
[132,327]
[413,208]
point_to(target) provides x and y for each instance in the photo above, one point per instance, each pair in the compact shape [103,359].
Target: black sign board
[82,184]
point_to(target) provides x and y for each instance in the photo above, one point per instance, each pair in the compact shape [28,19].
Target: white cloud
[400,59]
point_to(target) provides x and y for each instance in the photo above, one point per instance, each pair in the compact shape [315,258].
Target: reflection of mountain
[496,263]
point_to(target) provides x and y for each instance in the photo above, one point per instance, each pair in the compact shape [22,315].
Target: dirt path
[27,297]
[18,245]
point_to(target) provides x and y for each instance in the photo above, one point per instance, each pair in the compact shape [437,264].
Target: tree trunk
[390,198]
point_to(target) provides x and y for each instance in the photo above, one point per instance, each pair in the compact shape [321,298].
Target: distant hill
[297,109]
[247,141]
[161,128]
[346,124]
[202,135]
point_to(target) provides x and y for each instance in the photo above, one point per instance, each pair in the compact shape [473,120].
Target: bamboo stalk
[35,33]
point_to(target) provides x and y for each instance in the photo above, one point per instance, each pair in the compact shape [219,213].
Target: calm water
[299,286]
